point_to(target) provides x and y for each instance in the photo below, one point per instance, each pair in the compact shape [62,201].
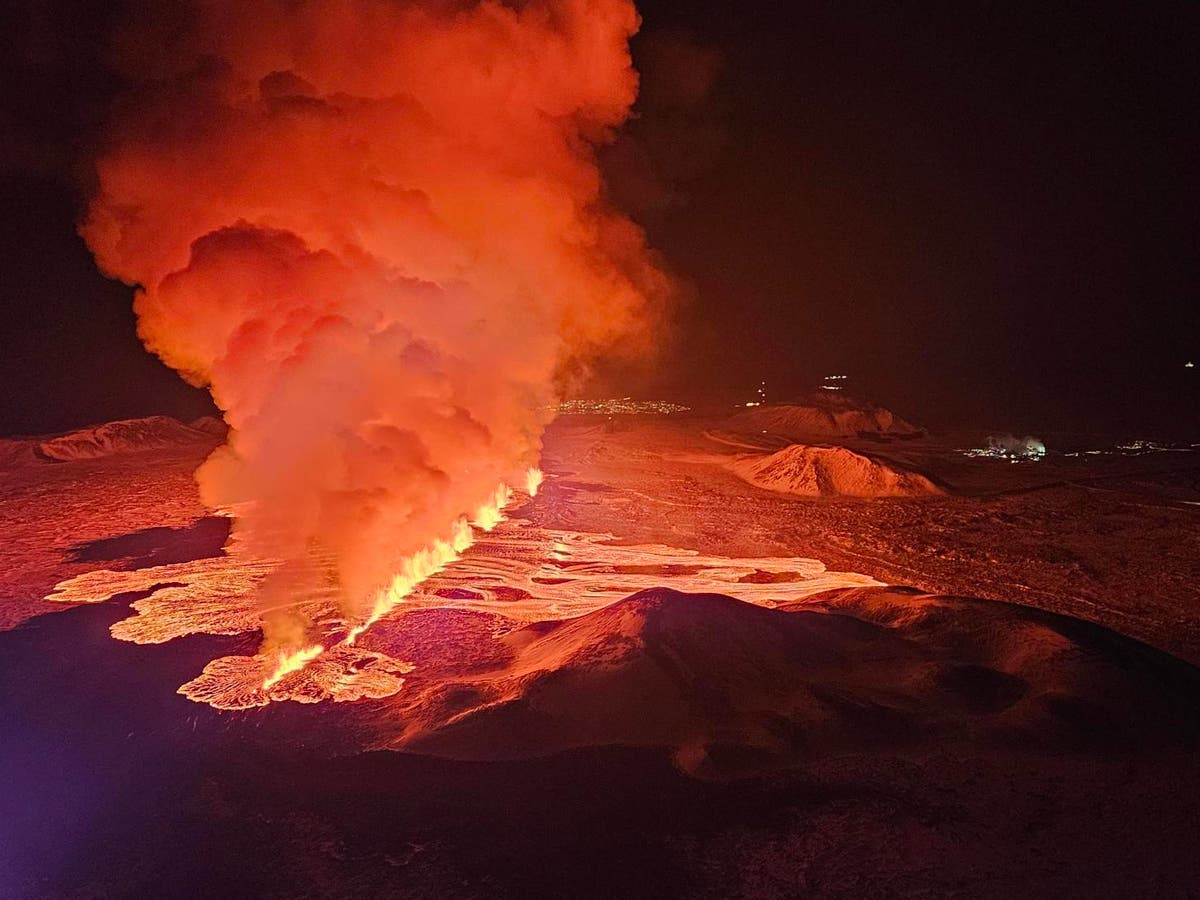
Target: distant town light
[1006,446]
[622,406]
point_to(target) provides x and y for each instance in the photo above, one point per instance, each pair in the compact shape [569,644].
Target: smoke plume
[376,232]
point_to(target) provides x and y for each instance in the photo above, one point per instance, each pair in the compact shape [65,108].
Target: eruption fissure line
[419,567]
[292,662]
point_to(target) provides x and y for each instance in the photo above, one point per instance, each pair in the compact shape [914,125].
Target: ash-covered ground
[678,671]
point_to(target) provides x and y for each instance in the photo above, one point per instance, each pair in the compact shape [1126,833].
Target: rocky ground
[795,730]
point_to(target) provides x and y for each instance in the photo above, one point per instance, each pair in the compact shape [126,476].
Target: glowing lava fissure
[292,662]
[518,574]
[419,567]
[533,480]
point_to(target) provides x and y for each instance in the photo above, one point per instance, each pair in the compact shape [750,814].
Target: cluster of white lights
[760,395]
[996,453]
[1137,448]
[1014,449]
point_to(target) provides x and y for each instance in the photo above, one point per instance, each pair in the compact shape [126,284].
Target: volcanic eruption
[506,572]
[377,233]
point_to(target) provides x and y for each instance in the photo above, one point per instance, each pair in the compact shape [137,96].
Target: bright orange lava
[520,573]
[533,480]
[292,662]
[422,565]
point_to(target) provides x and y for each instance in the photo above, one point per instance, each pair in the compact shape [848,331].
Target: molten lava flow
[434,558]
[419,567]
[292,662]
[399,259]
[519,573]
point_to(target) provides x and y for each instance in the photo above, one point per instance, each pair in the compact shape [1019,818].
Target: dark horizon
[985,216]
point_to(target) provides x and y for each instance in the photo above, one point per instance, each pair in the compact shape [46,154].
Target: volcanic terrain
[778,653]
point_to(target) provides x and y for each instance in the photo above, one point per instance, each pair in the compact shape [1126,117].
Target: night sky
[985,214]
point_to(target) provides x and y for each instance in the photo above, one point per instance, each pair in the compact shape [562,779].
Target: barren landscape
[772,693]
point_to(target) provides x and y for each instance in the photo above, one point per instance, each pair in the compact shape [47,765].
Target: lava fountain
[419,567]
[376,232]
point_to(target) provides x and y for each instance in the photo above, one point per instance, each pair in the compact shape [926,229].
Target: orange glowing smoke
[375,230]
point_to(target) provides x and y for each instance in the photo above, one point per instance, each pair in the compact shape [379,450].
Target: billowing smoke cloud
[376,231]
